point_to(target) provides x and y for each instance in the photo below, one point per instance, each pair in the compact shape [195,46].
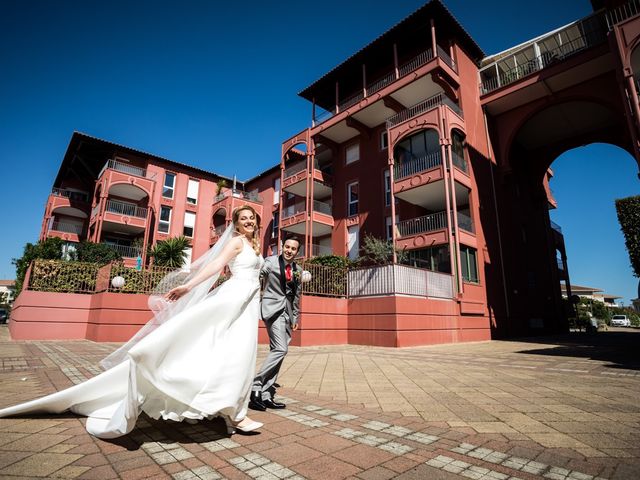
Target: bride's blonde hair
[255,241]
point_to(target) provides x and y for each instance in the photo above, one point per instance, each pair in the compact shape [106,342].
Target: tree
[170,252]
[629,217]
[48,249]
[96,253]
[379,252]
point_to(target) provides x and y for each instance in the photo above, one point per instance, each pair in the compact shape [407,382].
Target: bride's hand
[177,292]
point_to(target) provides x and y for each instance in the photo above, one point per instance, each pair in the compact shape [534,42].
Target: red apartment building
[419,138]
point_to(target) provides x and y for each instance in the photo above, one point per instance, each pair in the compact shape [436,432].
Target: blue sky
[215,86]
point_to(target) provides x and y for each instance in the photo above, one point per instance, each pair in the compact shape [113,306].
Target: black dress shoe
[256,403]
[276,385]
[269,403]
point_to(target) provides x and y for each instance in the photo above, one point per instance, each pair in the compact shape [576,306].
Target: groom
[280,309]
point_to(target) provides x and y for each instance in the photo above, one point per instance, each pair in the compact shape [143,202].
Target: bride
[195,359]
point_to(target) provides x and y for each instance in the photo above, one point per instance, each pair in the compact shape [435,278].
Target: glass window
[352,198]
[275,224]
[189,224]
[164,220]
[469,264]
[169,184]
[352,153]
[384,140]
[435,259]
[353,241]
[387,188]
[276,191]
[192,191]
[417,146]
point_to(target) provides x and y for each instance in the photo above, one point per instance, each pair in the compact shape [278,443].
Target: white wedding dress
[199,364]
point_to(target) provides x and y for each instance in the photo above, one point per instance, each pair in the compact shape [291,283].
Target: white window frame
[389,225]
[193,188]
[387,187]
[384,140]
[165,222]
[169,188]
[353,241]
[276,191]
[349,155]
[189,224]
[351,202]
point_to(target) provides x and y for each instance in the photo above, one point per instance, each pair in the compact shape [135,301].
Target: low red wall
[380,321]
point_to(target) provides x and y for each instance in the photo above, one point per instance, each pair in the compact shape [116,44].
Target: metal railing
[422,107]
[325,281]
[219,230]
[322,207]
[125,251]
[465,222]
[415,63]
[622,13]
[592,33]
[379,84]
[128,209]
[236,192]
[416,165]
[447,58]
[124,168]
[427,223]
[350,101]
[292,210]
[398,280]
[459,161]
[70,194]
[66,227]
[143,281]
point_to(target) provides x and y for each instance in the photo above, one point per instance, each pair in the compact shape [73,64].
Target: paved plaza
[557,408]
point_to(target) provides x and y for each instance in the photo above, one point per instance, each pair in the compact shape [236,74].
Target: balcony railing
[572,39]
[459,161]
[398,280]
[465,222]
[560,264]
[292,210]
[316,251]
[621,13]
[125,251]
[556,227]
[128,209]
[428,223]
[219,230]
[422,107]
[70,194]
[294,169]
[377,85]
[124,168]
[66,227]
[322,207]
[416,165]
[249,196]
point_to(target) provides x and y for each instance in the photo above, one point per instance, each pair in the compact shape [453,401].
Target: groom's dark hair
[291,236]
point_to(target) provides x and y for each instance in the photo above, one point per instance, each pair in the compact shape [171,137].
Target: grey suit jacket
[274,299]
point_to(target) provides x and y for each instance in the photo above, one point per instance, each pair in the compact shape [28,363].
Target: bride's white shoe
[250,427]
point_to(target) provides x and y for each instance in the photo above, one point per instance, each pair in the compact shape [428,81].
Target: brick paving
[563,408]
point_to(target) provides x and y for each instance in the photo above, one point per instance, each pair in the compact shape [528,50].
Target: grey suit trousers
[279,338]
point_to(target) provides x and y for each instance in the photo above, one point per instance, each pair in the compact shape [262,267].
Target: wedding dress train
[199,364]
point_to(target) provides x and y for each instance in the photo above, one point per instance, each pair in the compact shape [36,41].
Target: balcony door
[353,241]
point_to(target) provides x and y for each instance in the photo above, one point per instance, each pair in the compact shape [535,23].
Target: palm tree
[170,252]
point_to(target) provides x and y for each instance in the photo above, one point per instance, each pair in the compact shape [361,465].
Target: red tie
[287,272]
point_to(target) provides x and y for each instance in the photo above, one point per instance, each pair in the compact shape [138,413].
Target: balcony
[72,195]
[124,168]
[404,70]
[622,13]
[521,61]
[409,168]
[423,107]
[120,214]
[232,198]
[465,222]
[126,251]
[126,181]
[427,223]
[294,219]
[67,230]
[295,176]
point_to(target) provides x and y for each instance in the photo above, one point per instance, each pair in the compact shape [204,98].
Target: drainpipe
[495,207]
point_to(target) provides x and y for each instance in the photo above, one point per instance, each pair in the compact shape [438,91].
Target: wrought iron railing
[447,59]
[62,276]
[560,264]
[325,281]
[427,223]
[128,209]
[70,194]
[422,107]
[379,84]
[592,32]
[66,227]
[622,13]
[415,63]
[124,168]
[416,165]
[125,251]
